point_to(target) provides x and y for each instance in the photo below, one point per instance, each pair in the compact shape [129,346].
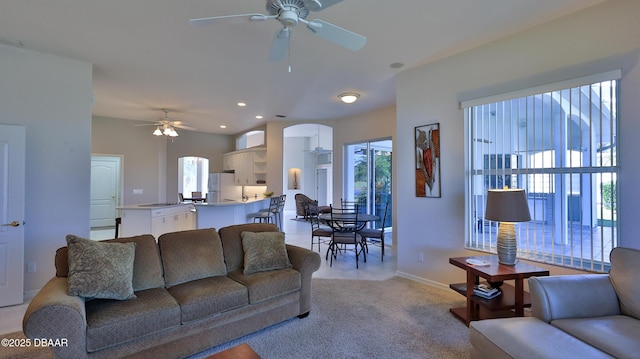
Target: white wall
[595,40]
[144,157]
[51,96]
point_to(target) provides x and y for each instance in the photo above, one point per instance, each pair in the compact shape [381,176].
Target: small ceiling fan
[289,13]
[166,126]
[319,150]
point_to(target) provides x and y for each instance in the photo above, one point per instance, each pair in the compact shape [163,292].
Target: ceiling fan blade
[337,35]
[229,19]
[184,127]
[317,5]
[280,45]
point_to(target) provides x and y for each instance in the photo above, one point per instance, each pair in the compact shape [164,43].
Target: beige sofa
[574,316]
[180,309]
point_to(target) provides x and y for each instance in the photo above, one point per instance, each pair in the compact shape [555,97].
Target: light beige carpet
[394,318]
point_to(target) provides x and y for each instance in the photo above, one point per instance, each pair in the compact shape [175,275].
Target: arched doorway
[307,159]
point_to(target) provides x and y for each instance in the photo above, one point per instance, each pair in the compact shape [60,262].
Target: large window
[560,146]
[193,175]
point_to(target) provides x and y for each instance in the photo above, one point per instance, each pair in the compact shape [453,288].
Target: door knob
[12,224]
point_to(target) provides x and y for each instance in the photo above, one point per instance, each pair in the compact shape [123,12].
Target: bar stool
[267,216]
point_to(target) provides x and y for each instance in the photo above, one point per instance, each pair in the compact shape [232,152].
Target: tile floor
[297,233]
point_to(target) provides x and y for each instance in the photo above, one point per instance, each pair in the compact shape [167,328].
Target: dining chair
[376,233]
[196,196]
[319,232]
[268,215]
[180,197]
[346,204]
[345,227]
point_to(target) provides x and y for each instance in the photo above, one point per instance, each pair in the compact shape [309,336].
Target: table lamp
[507,206]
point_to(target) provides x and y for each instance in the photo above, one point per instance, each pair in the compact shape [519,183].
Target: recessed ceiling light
[223,126]
[241,104]
[349,97]
[259,117]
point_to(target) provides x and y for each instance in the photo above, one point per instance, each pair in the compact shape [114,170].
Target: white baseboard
[422,280]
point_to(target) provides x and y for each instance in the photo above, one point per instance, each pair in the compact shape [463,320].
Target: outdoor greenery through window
[560,146]
[368,173]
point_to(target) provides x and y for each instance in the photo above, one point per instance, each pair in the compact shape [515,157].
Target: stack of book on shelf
[486,291]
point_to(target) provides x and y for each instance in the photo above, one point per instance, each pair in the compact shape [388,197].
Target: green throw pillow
[264,251]
[100,270]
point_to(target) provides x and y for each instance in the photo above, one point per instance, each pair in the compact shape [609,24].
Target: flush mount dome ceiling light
[349,97]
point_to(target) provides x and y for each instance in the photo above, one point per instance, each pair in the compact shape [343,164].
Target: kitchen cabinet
[157,219]
[249,166]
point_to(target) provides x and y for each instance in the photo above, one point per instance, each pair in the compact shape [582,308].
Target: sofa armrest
[52,314]
[306,262]
[572,296]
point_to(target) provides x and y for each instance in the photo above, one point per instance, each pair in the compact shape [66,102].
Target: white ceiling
[147,57]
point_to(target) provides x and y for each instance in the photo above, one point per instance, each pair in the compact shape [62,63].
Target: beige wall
[150,162]
[595,40]
[51,97]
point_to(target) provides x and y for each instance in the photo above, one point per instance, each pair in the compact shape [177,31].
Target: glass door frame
[376,191]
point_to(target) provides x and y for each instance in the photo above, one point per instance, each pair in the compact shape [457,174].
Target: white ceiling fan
[166,126]
[289,13]
[319,150]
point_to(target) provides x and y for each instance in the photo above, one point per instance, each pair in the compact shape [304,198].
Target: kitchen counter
[154,205]
[225,213]
[231,202]
[156,218]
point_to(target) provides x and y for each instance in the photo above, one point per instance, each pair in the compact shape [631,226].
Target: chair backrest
[312,215]
[384,216]
[345,219]
[282,200]
[274,202]
[301,201]
[180,197]
[196,194]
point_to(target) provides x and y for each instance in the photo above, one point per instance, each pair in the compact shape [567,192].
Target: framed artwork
[428,160]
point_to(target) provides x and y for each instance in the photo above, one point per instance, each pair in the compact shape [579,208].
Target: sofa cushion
[266,285]
[191,255]
[526,338]
[264,251]
[147,266]
[112,322]
[208,296]
[624,276]
[617,335]
[100,270]
[232,241]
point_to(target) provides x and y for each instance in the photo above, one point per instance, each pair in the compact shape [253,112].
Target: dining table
[334,218]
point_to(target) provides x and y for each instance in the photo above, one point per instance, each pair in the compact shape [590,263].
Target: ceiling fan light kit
[349,97]
[167,127]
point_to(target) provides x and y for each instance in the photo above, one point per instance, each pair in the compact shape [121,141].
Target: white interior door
[12,176]
[105,177]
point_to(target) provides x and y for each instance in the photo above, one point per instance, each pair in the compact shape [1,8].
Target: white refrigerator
[222,188]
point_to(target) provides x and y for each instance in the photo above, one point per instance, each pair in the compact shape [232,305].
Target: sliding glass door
[368,177]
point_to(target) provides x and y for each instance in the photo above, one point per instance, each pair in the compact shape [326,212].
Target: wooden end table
[242,351]
[510,303]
